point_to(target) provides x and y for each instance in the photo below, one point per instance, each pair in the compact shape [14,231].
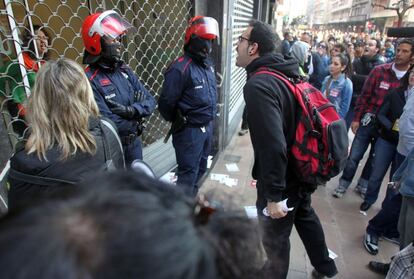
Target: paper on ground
[232,167]
[251,211]
[224,179]
[219,177]
[230,181]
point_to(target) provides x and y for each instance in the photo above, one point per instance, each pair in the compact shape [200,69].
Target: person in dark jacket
[118,92]
[362,66]
[287,43]
[271,110]
[67,142]
[188,100]
[384,224]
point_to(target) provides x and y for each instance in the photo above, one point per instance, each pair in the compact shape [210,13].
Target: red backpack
[320,149]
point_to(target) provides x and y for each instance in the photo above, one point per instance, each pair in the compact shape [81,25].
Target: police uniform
[122,86]
[190,87]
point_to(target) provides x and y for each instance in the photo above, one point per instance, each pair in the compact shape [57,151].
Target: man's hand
[275,210]
[354,126]
[127,112]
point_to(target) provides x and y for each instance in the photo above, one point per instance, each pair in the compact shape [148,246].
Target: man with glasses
[271,110]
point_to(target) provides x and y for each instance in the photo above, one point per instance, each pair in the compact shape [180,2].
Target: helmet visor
[206,28]
[110,24]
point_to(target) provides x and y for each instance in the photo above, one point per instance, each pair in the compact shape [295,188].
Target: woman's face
[411,78]
[41,42]
[335,68]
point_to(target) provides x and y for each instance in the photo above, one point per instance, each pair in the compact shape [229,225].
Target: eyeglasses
[241,38]
[322,46]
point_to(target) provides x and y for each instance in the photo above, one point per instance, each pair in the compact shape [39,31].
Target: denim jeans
[385,223]
[349,116]
[385,153]
[364,136]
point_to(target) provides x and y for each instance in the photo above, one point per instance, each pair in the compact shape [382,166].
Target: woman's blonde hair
[59,109]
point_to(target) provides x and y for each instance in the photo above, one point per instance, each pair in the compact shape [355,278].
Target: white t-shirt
[397,72]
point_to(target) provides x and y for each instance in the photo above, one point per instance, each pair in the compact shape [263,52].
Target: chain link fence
[160,23]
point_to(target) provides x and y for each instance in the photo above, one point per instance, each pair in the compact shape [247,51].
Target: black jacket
[319,71]
[389,112]
[77,168]
[271,116]
[361,68]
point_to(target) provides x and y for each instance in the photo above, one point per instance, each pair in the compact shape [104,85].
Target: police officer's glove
[127,112]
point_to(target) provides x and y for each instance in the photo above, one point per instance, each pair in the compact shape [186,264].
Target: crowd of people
[86,223]
[370,81]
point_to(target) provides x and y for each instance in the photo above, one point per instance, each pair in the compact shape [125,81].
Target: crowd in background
[369,79]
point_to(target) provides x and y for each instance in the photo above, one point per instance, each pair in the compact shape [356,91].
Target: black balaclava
[110,57]
[199,48]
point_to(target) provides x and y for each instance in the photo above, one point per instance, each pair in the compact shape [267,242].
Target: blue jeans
[385,154]
[192,146]
[364,136]
[385,223]
[349,116]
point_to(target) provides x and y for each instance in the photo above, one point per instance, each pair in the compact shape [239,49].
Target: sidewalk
[343,224]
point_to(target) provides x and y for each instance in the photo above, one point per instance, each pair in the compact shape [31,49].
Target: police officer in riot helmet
[119,94]
[188,100]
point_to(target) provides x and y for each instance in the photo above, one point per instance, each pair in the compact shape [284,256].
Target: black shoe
[371,243]
[381,268]
[364,206]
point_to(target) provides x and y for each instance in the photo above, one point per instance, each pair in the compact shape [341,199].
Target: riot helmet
[199,35]
[101,35]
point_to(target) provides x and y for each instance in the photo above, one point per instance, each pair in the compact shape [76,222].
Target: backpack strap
[300,97]
[289,82]
[38,180]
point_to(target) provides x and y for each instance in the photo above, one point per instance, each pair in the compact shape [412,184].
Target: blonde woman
[68,141]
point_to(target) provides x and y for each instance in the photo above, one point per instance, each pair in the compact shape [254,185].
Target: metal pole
[32,32]
[16,40]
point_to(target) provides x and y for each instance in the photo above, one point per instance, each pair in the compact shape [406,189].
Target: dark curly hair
[262,34]
[28,41]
